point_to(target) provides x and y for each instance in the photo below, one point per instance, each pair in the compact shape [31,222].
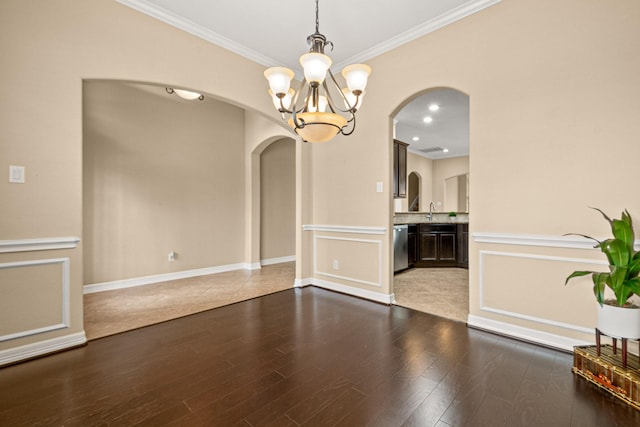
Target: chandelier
[313,109]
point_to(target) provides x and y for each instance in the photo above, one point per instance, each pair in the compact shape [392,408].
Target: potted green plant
[619,317]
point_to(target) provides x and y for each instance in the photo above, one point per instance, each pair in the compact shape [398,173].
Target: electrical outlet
[172,256]
[336,265]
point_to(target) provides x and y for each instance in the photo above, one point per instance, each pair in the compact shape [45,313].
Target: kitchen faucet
[432,207]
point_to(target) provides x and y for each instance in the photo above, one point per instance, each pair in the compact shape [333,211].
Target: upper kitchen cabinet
[399,169]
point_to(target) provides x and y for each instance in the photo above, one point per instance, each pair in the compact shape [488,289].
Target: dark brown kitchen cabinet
[412,244]
[463,246]
[437,245]
[399,169]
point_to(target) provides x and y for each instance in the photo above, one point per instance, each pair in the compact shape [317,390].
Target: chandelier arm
[344,98]
[353,126]
[299,123]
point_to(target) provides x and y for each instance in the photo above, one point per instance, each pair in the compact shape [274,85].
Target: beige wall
[277,200]
[554,96]
[160,174]
[423,166]
[442,170]
[48,49]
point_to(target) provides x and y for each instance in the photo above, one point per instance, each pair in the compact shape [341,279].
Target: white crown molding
[345,229]
[40,348]
[41,244]
[197,30]
[418,31]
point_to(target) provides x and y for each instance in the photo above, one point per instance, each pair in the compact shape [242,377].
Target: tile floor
[110,312]
[440,291]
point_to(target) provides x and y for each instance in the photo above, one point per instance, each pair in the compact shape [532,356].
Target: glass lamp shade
[356,76]
[319,127]
[315,66]
[351,99]
[286,100]
[279,79]
[186,94]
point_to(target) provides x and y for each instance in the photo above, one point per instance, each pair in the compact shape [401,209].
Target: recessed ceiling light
[434,107]
[415,138]
[428,119]
[445,150]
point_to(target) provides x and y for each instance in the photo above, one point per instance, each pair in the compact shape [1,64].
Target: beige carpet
[111,312]
[440,291]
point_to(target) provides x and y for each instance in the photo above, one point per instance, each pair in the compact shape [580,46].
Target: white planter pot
[619,322]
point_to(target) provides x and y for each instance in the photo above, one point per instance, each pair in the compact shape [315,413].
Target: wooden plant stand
[602,365]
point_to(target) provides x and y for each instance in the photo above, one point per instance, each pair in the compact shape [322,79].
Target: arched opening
[164,203]
[413,184]
[277,202]
[434,124]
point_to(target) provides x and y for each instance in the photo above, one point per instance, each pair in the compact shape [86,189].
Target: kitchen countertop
[438,218]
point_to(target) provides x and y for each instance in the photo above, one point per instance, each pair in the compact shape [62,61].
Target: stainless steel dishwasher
[400,247]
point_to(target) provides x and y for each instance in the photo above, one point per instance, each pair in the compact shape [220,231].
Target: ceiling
[274,32]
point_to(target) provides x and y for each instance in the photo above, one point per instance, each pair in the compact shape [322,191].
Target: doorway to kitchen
[435,126]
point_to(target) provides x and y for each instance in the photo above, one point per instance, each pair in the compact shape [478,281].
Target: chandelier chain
[317,20]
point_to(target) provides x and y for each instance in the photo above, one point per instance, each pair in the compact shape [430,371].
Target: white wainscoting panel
[333,274]
[516,315]
[63,305]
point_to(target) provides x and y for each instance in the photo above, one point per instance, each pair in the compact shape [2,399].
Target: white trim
[521,316]
[345,229]
[42,244]
[250,266]
[148,280]
[40,348]
[569,242]
[527,334]
[357,292]
[418,31]
[301,283]
[278,260]
[197,30]
[351,279]
[64,305]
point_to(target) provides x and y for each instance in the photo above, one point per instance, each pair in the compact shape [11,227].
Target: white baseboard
[278,260]
[301,283]
[147,280]
[526,334]
[252,266]
[349,290]
[40,348]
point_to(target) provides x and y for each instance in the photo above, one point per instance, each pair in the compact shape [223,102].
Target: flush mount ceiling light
[185,94]
[434,107]
[427,119]
[314,113]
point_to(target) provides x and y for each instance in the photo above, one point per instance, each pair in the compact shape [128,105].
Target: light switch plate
[379,186]
[16,174]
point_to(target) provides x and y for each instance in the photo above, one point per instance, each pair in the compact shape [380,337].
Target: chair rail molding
[40,244]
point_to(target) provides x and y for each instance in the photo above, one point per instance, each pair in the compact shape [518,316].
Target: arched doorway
[435,125]
[413,184]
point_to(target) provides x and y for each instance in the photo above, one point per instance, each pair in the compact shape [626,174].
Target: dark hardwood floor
[306,357]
